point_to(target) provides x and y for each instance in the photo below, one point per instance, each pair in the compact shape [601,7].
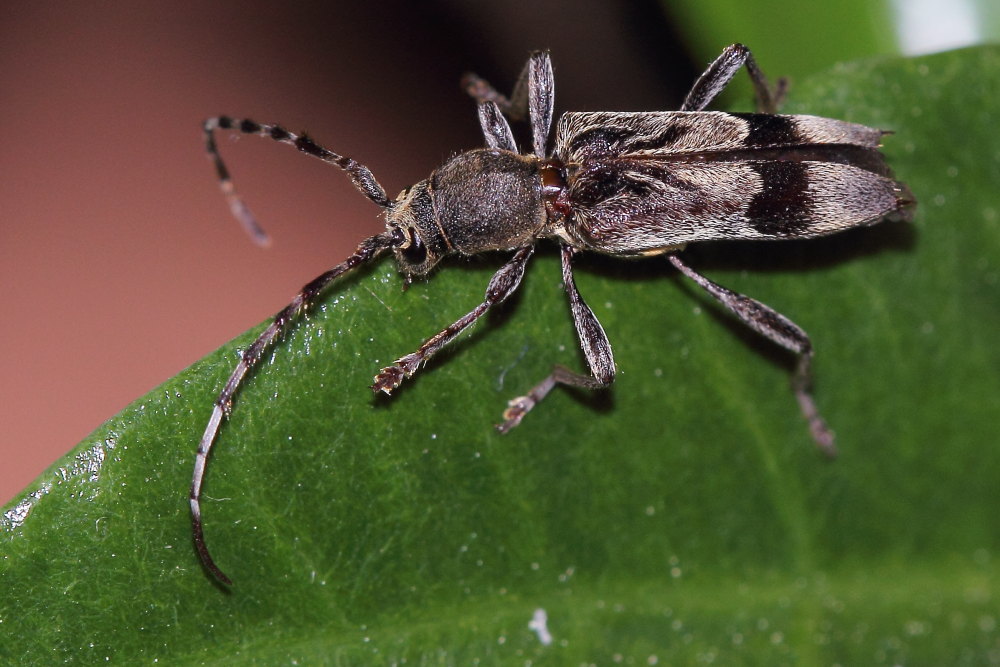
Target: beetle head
[417,239]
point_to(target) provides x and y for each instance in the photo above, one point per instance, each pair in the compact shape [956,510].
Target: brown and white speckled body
[622,184]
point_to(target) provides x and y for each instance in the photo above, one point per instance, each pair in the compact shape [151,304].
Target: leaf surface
[681,516]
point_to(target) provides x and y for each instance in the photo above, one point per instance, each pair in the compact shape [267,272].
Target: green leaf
[796,39]
[681,516]
[791,38]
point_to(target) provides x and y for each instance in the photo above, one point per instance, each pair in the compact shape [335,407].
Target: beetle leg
[779,329]
[514,107]
[496,129]
[501,286]
[533,98]
[721,72]
[596,350]
[541,99]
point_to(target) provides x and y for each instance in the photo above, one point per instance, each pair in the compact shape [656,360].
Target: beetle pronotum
[622,184]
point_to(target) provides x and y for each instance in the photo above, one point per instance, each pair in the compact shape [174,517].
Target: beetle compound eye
[398,238]
[416,252]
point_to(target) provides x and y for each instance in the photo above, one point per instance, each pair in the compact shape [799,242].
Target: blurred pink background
[119,263]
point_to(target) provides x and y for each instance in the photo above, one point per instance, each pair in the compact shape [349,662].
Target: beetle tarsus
[516,409]
[388,379]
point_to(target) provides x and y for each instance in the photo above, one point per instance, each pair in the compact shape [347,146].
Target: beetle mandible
[622,184]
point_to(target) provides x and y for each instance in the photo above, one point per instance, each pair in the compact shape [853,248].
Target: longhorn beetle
[622,184]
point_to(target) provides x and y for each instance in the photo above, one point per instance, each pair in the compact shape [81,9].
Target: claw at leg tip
[388,379]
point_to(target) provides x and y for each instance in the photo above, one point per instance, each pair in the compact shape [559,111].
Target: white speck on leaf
[539,624]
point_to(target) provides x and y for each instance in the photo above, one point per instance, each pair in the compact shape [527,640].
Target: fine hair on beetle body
[624,184]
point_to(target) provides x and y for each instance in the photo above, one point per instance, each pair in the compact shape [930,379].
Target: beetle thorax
[488,200]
